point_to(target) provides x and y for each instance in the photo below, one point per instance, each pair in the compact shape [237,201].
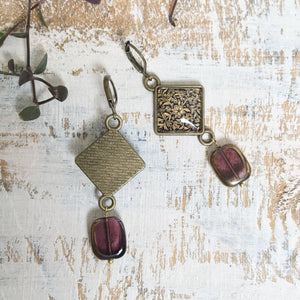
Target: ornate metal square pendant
[179,110]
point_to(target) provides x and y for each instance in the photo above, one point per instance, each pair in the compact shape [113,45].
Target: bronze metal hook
[111,98]
[142,68]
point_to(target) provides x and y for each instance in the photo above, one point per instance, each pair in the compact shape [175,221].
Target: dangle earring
[179,110]
[110,162]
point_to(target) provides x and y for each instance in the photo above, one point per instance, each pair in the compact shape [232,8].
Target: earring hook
[150,80]
[142,68]
[111,98]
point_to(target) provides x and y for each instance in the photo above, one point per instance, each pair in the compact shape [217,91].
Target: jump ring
[147,79]
[210,140]
[104,207]
[118,118]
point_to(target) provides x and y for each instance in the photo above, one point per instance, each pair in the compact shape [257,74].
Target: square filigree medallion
[178,110]
[110,162]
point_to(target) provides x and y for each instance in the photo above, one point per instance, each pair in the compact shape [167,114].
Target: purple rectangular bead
[230,165]
[108,238]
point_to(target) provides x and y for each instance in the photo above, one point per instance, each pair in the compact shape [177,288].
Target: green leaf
[25,77]
[42,18]
[42,65]
[59,92]
[30,113]
[20,35]
[11,65]
[2,38]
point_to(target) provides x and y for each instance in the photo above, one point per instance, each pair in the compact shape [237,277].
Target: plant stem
[34,92]
[9,31]
[172,12]
[43,81]
[9,74]
[28,47]
[45,101]
[27,34]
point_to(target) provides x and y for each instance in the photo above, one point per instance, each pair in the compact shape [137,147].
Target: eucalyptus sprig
[26,74]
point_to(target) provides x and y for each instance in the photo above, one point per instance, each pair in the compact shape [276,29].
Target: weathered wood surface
[189,237]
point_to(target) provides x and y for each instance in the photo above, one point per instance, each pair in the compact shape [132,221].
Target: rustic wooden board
[189,237]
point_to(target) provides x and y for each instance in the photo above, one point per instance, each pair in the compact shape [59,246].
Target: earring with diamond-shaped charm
[109,162]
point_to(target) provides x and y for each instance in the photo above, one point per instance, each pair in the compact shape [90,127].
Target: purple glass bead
[108,238]
[230,165]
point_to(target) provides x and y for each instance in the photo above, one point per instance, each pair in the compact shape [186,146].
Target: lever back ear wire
[111,98]
[141,68]
[150,80]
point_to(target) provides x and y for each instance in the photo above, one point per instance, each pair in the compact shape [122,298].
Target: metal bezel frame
[155,110]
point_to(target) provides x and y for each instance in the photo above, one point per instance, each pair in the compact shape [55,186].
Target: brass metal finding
[116,117]
[151,78]
[111,98]
[142,68]
[211,138]
[104,207]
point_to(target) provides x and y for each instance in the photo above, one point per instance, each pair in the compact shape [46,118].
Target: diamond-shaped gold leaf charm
[110,162]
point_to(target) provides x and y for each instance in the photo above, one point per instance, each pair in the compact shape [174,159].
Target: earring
[110,162]
[179,110]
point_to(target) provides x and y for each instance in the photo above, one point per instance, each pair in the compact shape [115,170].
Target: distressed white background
[189,237]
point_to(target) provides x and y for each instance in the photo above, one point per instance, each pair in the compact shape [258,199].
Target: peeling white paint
[188,235]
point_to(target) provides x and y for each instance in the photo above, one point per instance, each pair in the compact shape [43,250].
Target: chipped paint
[77,72]
[189,237]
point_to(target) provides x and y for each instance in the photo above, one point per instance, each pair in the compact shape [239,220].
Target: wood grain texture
[189,237]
